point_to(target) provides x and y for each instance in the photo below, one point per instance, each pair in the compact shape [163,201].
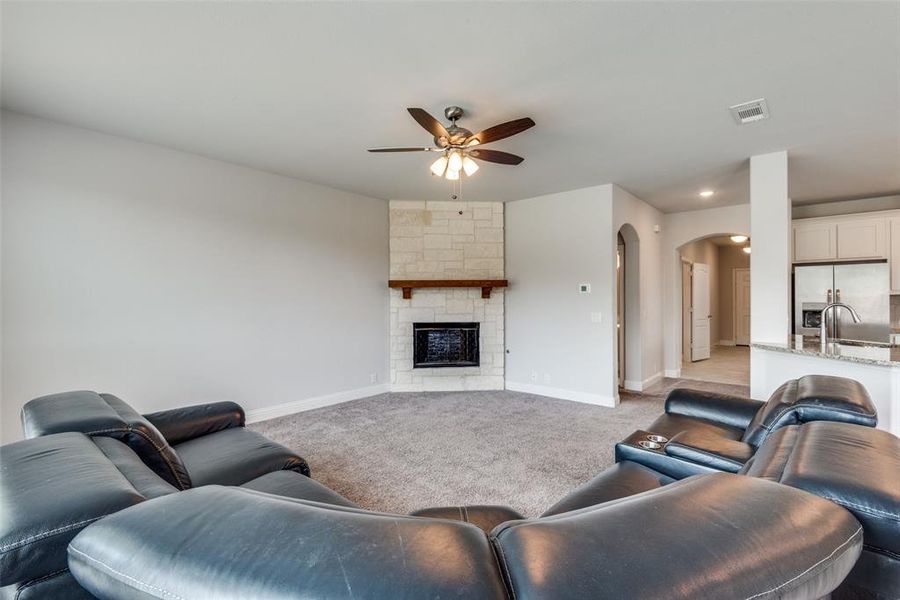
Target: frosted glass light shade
[469,166]
[439,166]
[739,239]
[746,249]
[452,175]
[455,161]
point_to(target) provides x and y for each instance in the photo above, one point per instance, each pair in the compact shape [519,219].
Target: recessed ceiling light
[739,239]
[706,193]
[746,249]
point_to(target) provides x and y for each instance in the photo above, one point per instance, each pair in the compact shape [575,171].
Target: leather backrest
[812,398]
[138,474]
[708,536]
[854,466]
[51,488]
[230,543]
[105,415]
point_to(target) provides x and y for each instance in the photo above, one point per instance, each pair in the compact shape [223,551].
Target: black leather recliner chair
[189,446]
[707,432]
[53,486]
[854,466]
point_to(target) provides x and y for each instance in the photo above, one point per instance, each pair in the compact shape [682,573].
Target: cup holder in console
[644,440]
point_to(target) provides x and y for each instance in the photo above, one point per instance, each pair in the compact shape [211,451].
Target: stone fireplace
[445,339]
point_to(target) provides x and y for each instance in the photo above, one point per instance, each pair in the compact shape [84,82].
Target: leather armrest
[716,452]
[188,422]
[732,411]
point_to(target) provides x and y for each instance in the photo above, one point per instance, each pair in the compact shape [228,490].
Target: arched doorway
[628,309]
[715,308]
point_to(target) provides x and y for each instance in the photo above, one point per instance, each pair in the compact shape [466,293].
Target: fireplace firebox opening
[445,345]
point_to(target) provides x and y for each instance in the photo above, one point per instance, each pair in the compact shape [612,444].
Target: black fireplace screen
[445,345]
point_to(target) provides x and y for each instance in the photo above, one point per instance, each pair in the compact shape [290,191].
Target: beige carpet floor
[398,452]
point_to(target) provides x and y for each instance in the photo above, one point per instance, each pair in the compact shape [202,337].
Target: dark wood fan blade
[503,130]
[495,156]
[431,125]
[399,149]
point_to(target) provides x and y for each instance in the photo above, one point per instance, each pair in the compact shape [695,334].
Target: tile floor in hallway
[726,364]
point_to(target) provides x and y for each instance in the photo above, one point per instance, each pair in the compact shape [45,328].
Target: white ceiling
[632,93]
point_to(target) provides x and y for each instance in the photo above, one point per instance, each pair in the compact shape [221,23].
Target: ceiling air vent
[747,112]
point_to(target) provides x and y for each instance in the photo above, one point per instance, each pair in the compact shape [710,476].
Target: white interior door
[742,306]
[700,314]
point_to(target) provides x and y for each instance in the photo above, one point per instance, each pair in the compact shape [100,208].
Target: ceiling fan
[458,146]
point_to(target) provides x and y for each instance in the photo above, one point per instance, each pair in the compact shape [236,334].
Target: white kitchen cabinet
[894,258]
[815,241]
[861,239]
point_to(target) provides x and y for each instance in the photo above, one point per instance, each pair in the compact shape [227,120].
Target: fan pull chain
[456,194]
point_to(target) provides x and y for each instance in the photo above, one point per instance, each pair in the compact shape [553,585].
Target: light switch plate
[596,317]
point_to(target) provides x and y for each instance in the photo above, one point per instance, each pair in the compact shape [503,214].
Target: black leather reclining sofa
[789,525]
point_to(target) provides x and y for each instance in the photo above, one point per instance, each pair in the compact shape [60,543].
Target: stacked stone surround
[447,240]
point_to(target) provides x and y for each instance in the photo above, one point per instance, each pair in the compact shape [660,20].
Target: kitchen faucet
[823,329]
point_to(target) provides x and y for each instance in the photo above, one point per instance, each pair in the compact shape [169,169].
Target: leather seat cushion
[292,484]
[485,517]
[670,424]
[855,466]
[234,457]
[623,479]
[51,488]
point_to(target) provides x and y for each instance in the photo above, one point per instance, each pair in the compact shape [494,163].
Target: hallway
[726,364]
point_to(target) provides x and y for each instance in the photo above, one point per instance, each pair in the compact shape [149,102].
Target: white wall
[171,279]
[628,209]
[679,229]
[554,243]
[770,263]
[556,345]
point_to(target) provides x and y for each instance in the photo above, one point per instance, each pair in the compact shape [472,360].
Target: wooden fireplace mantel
[486,285]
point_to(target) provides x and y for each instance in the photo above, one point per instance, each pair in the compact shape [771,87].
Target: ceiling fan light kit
[457,144]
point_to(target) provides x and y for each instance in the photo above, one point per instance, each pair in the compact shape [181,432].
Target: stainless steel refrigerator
[864,286]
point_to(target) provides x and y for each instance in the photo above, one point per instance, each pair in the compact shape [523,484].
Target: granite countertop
[885,355]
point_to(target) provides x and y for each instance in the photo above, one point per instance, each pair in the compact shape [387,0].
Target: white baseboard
[674,373]
[639,386]
[553,392]
[726,343]
[295,406]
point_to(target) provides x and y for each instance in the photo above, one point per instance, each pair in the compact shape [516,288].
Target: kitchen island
[876,366]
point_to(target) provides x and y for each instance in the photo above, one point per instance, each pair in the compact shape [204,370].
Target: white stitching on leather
[141,584]
[835,551]
[864,509]
[46,534]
